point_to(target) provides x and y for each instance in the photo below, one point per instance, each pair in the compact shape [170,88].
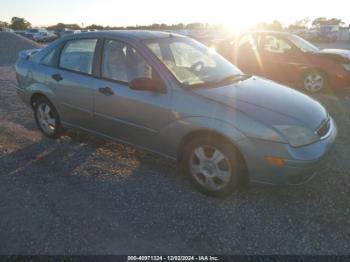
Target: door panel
[74,94]
[131,115]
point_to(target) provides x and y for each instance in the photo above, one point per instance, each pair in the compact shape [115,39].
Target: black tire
[57,129]
[232,156]
[320,84]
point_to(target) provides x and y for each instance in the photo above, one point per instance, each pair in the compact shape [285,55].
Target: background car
[288,59]
[6,29]
[69,32]
[44,36]
[328,33]
[31,32]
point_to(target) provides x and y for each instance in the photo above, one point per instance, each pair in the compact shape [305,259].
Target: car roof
[130,34]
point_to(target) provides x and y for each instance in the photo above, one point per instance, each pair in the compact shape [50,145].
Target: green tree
[300,24]
[324,21]
[3,24]
[93,26]
[194,26]
[18,23]
[62,26]
[275,25]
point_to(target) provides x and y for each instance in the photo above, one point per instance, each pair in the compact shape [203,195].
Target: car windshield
[302,44]
[192,63]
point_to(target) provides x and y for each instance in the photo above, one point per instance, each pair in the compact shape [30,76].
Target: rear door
[130,115]
[73,83]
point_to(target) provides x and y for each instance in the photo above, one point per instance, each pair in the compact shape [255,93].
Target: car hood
[336,53]
[268,102]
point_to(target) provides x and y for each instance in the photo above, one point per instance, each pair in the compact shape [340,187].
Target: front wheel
[314,82]
[213,166]
[47,118]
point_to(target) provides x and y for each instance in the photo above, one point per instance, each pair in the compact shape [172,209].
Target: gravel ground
[85,195]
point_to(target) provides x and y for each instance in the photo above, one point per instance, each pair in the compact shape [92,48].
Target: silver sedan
[173,96]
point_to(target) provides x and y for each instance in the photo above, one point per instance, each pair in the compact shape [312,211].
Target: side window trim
[97,58]
[74,71]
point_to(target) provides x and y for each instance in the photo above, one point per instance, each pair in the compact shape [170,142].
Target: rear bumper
[23,95]
[300,164]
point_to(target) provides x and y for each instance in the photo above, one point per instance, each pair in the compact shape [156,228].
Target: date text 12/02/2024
[173,258]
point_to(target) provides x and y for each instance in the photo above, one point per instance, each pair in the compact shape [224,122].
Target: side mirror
[146,84]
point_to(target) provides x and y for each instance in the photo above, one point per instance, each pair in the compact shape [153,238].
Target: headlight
[297,135]
[346,67]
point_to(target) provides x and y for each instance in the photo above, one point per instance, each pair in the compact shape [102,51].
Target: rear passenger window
[77,55]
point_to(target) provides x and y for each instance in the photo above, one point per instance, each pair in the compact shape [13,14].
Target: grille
[324,128]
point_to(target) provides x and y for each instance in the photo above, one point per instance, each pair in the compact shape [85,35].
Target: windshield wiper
[233,78]
[229,79]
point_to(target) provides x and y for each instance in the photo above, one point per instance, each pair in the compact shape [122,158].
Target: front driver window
[273,44]
[123,63]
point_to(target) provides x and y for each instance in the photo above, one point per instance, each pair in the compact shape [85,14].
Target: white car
[70,32]
[31,32]
[44,36]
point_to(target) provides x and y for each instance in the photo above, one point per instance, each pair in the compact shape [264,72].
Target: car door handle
[107,91]
[57,77]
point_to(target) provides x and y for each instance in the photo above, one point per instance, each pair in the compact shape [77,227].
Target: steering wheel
[198,66]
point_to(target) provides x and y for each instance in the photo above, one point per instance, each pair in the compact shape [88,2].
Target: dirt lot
[85,195]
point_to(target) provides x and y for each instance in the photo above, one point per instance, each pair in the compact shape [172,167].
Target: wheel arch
[211,133]
[38,90]
[35,96]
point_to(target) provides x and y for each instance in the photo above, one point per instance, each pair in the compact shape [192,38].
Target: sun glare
[237,27]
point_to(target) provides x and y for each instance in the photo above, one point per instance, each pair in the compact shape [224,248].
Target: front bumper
[340,80]
[300,164]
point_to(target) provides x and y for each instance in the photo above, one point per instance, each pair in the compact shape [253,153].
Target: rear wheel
[212,166]
[47,118]
[314,82]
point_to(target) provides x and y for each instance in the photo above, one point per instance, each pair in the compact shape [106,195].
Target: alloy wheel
[314,82]
[210,167]
[46,119]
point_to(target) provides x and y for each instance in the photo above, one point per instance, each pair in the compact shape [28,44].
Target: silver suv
[173,96]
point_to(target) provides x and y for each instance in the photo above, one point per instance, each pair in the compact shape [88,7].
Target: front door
[280,59]
[133,116]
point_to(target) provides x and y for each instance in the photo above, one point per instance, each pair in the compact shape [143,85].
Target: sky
[234,14]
